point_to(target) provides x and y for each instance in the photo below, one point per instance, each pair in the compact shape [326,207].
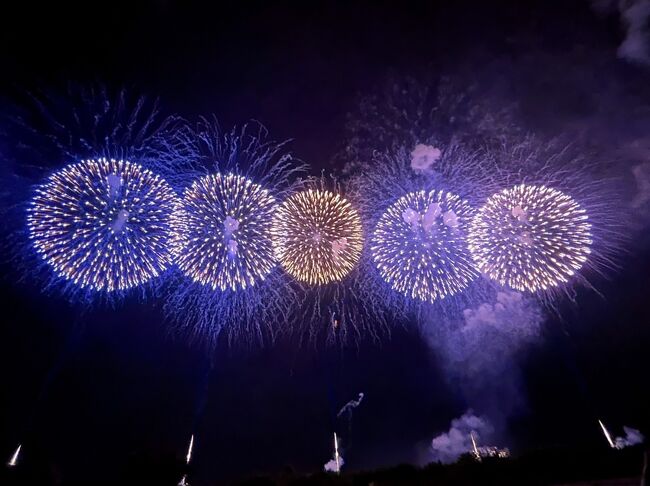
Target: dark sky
[91,393]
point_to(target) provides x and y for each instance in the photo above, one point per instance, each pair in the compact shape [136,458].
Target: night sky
[89,391]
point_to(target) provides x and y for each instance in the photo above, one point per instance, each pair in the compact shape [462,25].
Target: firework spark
[419,245]
[530,238]
[103,224]
[318,236]
[223,237]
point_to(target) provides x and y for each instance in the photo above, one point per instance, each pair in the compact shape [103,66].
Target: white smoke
[412,217]
[230,225]
[450,219]
[423,157]
[352,404]
[331,466]
[339,246]
[480,351]
[487,340]
[427,220]
[632,437]
[636,45]
[510,315]
[635,18]
[430,216]
[120,221]
[448,447]
[114,185]
[641,173]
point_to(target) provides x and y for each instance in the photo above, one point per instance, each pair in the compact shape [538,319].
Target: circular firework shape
[318,236]
[223,232]
[419,245]
[104,225]
[530,238]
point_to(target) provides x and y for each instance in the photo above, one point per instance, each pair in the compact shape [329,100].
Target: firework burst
[223,232]
[530,238]
[103,225]
[228,282]
[318,236]
[419,245]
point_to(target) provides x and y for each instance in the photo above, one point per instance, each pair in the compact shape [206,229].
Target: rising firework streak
[188,458]
[487,451]
[14,459]
[607,436]
[337,458]
[474,448]
[189,450]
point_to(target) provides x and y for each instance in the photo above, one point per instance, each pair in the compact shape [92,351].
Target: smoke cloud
[448,447]
[331,466]
[480,352]
[641,173]
[423,157]
[351,405]
[635,17]
[632,437]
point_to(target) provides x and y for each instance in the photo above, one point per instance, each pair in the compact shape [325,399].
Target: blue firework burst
[223,237]
[419,245]
[103,224]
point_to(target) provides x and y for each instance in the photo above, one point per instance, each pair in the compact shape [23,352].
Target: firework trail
[188,457]
[632,437]
[334,465]
[607,436]
[80,122]
[14,458]
[477,455]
